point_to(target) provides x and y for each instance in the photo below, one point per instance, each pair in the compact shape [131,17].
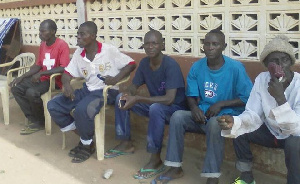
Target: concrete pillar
[80,11]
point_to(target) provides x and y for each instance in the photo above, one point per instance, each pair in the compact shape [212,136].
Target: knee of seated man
[52,105]
[91,109]
[155,108]
[177,118]
[14,90]
[213,125]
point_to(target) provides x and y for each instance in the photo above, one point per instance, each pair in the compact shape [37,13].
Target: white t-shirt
[282,121]
[108,61]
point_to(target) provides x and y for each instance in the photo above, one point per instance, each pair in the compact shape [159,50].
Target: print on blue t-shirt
[167,76]
[211,86]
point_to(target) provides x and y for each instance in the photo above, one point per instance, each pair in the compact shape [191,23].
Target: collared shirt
[282,121]
[108,61]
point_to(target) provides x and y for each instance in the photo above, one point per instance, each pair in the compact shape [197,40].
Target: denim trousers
[264,137]
[28,96]
[87,105]
[158,114]
[181,122]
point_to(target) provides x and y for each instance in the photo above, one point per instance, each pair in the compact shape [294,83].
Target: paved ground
[39,159]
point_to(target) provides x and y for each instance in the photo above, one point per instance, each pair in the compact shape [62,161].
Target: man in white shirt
[272,115]
[100,64]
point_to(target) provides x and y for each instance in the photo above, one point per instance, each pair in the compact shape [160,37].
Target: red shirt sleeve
[64,55]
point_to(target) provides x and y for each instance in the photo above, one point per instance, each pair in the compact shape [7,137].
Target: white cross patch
[49,63]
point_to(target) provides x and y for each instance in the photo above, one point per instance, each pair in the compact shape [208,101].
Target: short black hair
[156,33]
[91,26]
[51,24]
[219,32]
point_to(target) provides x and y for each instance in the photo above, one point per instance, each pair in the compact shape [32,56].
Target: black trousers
[28,96]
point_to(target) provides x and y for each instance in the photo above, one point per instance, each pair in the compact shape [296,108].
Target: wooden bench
[267,160]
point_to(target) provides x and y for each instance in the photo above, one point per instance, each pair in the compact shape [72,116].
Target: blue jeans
[158,114]
[264,137]
[181,122]
[87,105]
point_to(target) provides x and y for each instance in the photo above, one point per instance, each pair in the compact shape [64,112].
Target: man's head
[86,34]
[279,44]
[47,30]
[153,43]
[214,44]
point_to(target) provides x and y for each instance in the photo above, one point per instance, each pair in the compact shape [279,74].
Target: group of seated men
[218,101]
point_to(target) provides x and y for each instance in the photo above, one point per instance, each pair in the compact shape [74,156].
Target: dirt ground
[39,159]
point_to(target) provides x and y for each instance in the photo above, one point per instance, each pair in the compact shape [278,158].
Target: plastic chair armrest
[9,72]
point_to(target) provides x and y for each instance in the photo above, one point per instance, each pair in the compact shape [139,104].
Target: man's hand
[198,115]
[36,77]
[130,101]
[214,110]
[16,81]
[68,92]
[276,90]
[226,122]
[109,80]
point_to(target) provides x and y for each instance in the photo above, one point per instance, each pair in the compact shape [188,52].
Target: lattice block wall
[247,24]
[65,16]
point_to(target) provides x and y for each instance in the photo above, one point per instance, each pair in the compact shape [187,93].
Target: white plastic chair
[50,93]
[26,60]
[100,123]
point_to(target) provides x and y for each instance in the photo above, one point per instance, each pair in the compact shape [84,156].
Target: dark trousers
[264,137]
[87,105]
[28,96]
[158,114]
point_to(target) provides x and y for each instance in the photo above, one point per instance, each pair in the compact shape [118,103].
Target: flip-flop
[114,153]
[161,178]
[154,172]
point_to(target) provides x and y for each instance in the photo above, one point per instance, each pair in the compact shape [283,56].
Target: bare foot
[153,167]
[171,174]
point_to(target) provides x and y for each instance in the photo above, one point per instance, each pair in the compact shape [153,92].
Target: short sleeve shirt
[55,55]
[108,61]
[211,86]
[167,76]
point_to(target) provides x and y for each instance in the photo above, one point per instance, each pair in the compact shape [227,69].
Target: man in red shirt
[27,89]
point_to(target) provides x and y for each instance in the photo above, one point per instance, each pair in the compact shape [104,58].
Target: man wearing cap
[272,115]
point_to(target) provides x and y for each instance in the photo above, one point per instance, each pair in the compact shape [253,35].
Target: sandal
[75,150]
[83,153]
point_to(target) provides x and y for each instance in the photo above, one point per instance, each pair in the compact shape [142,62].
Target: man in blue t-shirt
[216,85]
[163,78]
